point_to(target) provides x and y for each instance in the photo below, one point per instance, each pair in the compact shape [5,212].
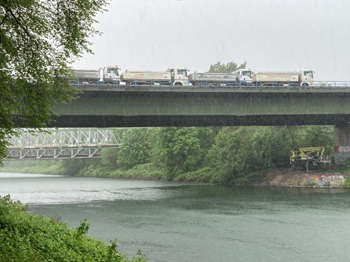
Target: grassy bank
[147,171]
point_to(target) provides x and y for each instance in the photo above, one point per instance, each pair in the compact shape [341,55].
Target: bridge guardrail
[228,85]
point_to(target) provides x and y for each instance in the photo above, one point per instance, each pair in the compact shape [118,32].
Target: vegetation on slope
[28,237]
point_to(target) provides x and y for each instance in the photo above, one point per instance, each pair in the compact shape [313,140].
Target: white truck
[243,76]
[173,76]
[105,75]
[238,77]
[303,77]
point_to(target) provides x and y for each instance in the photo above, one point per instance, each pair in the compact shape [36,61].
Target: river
[197,223]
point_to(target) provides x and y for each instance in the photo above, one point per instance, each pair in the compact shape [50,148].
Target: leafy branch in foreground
[38,42]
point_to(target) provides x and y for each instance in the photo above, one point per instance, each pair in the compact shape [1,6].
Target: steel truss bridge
[64,143]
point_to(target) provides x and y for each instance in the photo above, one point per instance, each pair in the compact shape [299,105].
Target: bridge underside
[133,107]
[198,120]
[137,108]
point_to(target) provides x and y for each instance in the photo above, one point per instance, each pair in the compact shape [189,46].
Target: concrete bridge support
[342,144]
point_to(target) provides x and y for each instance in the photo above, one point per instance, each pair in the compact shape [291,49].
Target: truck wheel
[305,85]
[178,84]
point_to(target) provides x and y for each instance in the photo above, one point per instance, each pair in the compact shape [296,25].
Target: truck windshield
[308,73]
[247,73]
[182,72]
[112,70]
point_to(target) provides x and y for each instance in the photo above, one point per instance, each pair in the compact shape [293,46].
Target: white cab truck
[238,77]
[303,77]
[173,76]
[243,76]
[105,75]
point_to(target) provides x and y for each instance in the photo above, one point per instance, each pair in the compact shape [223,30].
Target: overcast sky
[270,35]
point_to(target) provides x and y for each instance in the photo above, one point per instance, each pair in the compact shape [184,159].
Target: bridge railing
[224,84]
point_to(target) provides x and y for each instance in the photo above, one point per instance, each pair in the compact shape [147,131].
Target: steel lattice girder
[61,138]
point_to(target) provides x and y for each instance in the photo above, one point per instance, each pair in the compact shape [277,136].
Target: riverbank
[287,178]
[283,177]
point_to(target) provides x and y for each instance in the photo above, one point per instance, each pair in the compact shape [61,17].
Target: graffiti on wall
[305,180]
[324,180]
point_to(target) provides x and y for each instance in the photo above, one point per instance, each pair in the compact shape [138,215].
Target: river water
[199,223]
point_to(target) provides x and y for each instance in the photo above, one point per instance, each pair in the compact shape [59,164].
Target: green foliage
[109,157]
[70,167]
[135,149]
[180,150]
[83,228]
[237,155]
[226,68]
[27,237]
[310,136]
[38,42]
[238,152]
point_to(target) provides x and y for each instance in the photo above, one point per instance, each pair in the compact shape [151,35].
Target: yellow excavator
[309,158]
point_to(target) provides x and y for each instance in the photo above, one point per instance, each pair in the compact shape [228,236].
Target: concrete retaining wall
[306,180]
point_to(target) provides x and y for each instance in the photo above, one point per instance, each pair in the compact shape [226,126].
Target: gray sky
[270,35]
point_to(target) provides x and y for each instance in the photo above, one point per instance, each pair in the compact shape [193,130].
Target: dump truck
[104,75]
[236,78]
[173,76]
[243,76]
[303,77]
[309,158]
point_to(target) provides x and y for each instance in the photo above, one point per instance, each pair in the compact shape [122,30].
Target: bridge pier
[342,144]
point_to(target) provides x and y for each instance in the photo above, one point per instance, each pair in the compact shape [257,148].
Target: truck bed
[212,77]
[145,75]
[276,77]
[87,74]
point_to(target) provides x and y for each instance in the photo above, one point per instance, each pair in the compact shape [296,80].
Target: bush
[28,237]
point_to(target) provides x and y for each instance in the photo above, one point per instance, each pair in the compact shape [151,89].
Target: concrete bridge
[149,106]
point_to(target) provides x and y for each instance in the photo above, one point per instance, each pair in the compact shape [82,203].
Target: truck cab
[179,75]
[243,75]
[110,74]
[306,77]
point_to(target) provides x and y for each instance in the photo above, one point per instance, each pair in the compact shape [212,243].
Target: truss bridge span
[64,143]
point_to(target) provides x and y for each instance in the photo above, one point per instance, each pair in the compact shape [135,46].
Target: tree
[39,40]
[181,150]
[135,149]
[241,151]
[226,68]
